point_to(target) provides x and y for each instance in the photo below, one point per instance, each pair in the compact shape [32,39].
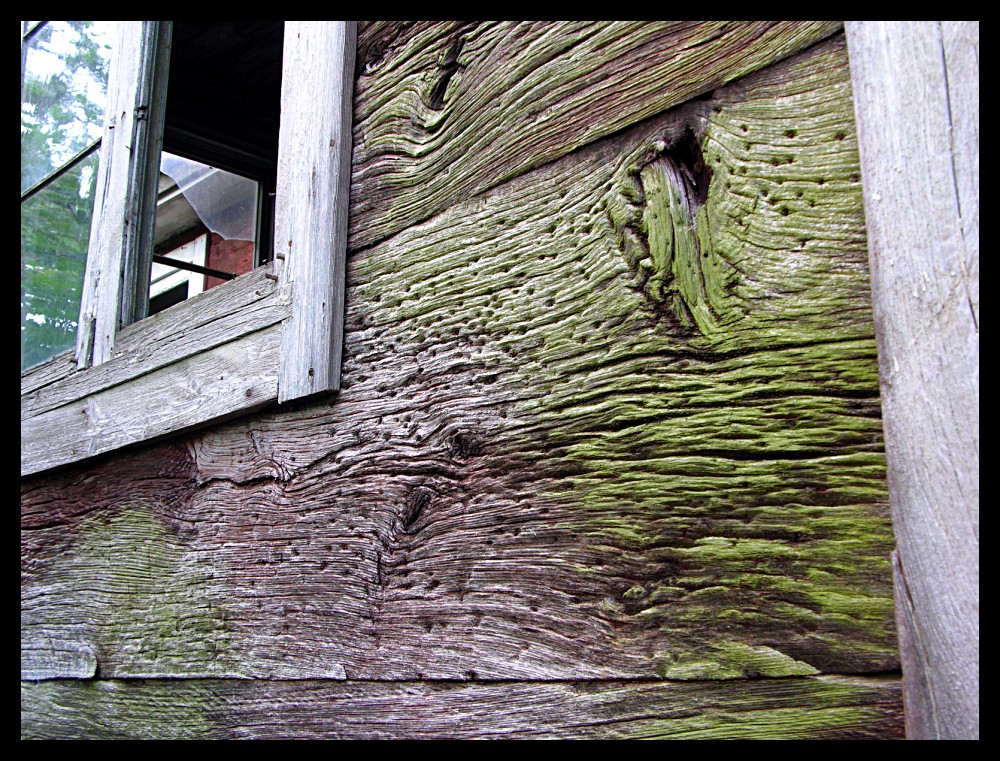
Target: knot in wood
[415,503]
[467,444]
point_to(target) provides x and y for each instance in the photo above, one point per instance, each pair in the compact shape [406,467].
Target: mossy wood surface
[615,418]
[807,708]
[446,110]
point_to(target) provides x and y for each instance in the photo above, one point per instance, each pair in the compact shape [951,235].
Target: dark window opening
[168,298]
[215,199]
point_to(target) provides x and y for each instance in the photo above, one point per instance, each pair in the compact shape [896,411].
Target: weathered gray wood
[602,421]
[201,709]
[917,101]
[50,371]
[311,205]
[113,199]
[144,155]
[445,111]
[236,376]
[247,304]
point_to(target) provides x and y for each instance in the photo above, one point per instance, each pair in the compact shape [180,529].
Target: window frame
[274,334]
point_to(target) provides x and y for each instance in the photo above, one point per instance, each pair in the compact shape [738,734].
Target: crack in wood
[449,66]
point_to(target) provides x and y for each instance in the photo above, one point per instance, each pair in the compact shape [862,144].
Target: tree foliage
[64,75]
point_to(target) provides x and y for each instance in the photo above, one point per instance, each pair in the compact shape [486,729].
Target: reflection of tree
[57,122]
[60,119]
[55,228]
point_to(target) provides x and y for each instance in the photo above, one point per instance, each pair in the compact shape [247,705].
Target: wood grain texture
[617,417]
[917,87]
[447,110]
[113,199]
[239,375]
[200,709]
[311,207]
[50,371]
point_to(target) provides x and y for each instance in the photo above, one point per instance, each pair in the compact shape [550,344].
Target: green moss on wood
[731,660]
[791,707]
[695,373]
[735,454]
[120,710]
[803,723]
[144,602]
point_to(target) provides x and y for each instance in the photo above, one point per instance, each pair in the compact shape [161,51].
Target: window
[216,183]
[271,334]
[64,71]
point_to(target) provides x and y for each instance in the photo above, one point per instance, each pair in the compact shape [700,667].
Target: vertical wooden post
[311,205]
[112,199]
[116,283]
[916,90]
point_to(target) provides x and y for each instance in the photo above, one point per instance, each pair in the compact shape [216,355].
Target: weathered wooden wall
[607,455]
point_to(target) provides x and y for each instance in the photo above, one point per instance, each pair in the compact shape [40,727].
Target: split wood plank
[212,709]
[445,111]
[917,100]
[564,447]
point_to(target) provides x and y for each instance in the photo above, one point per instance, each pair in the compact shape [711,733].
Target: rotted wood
[917,102]
[447,110]
[807,708]
[615,418]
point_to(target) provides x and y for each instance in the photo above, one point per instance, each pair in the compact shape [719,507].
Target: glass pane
[225,202]
[55,228]
[63,89]
[215,208]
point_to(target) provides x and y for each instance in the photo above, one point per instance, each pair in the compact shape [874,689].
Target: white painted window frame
[273,334]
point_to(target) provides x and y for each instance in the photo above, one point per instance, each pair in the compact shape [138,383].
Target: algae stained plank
[617,417]
[444,111]
[201,709]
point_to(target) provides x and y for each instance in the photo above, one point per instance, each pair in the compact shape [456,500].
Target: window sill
[210,357]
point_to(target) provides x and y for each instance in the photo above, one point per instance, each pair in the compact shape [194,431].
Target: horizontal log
[616,418]
[446,111]
[223,709]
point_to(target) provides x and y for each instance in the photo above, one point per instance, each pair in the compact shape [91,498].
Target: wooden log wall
[607,459]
